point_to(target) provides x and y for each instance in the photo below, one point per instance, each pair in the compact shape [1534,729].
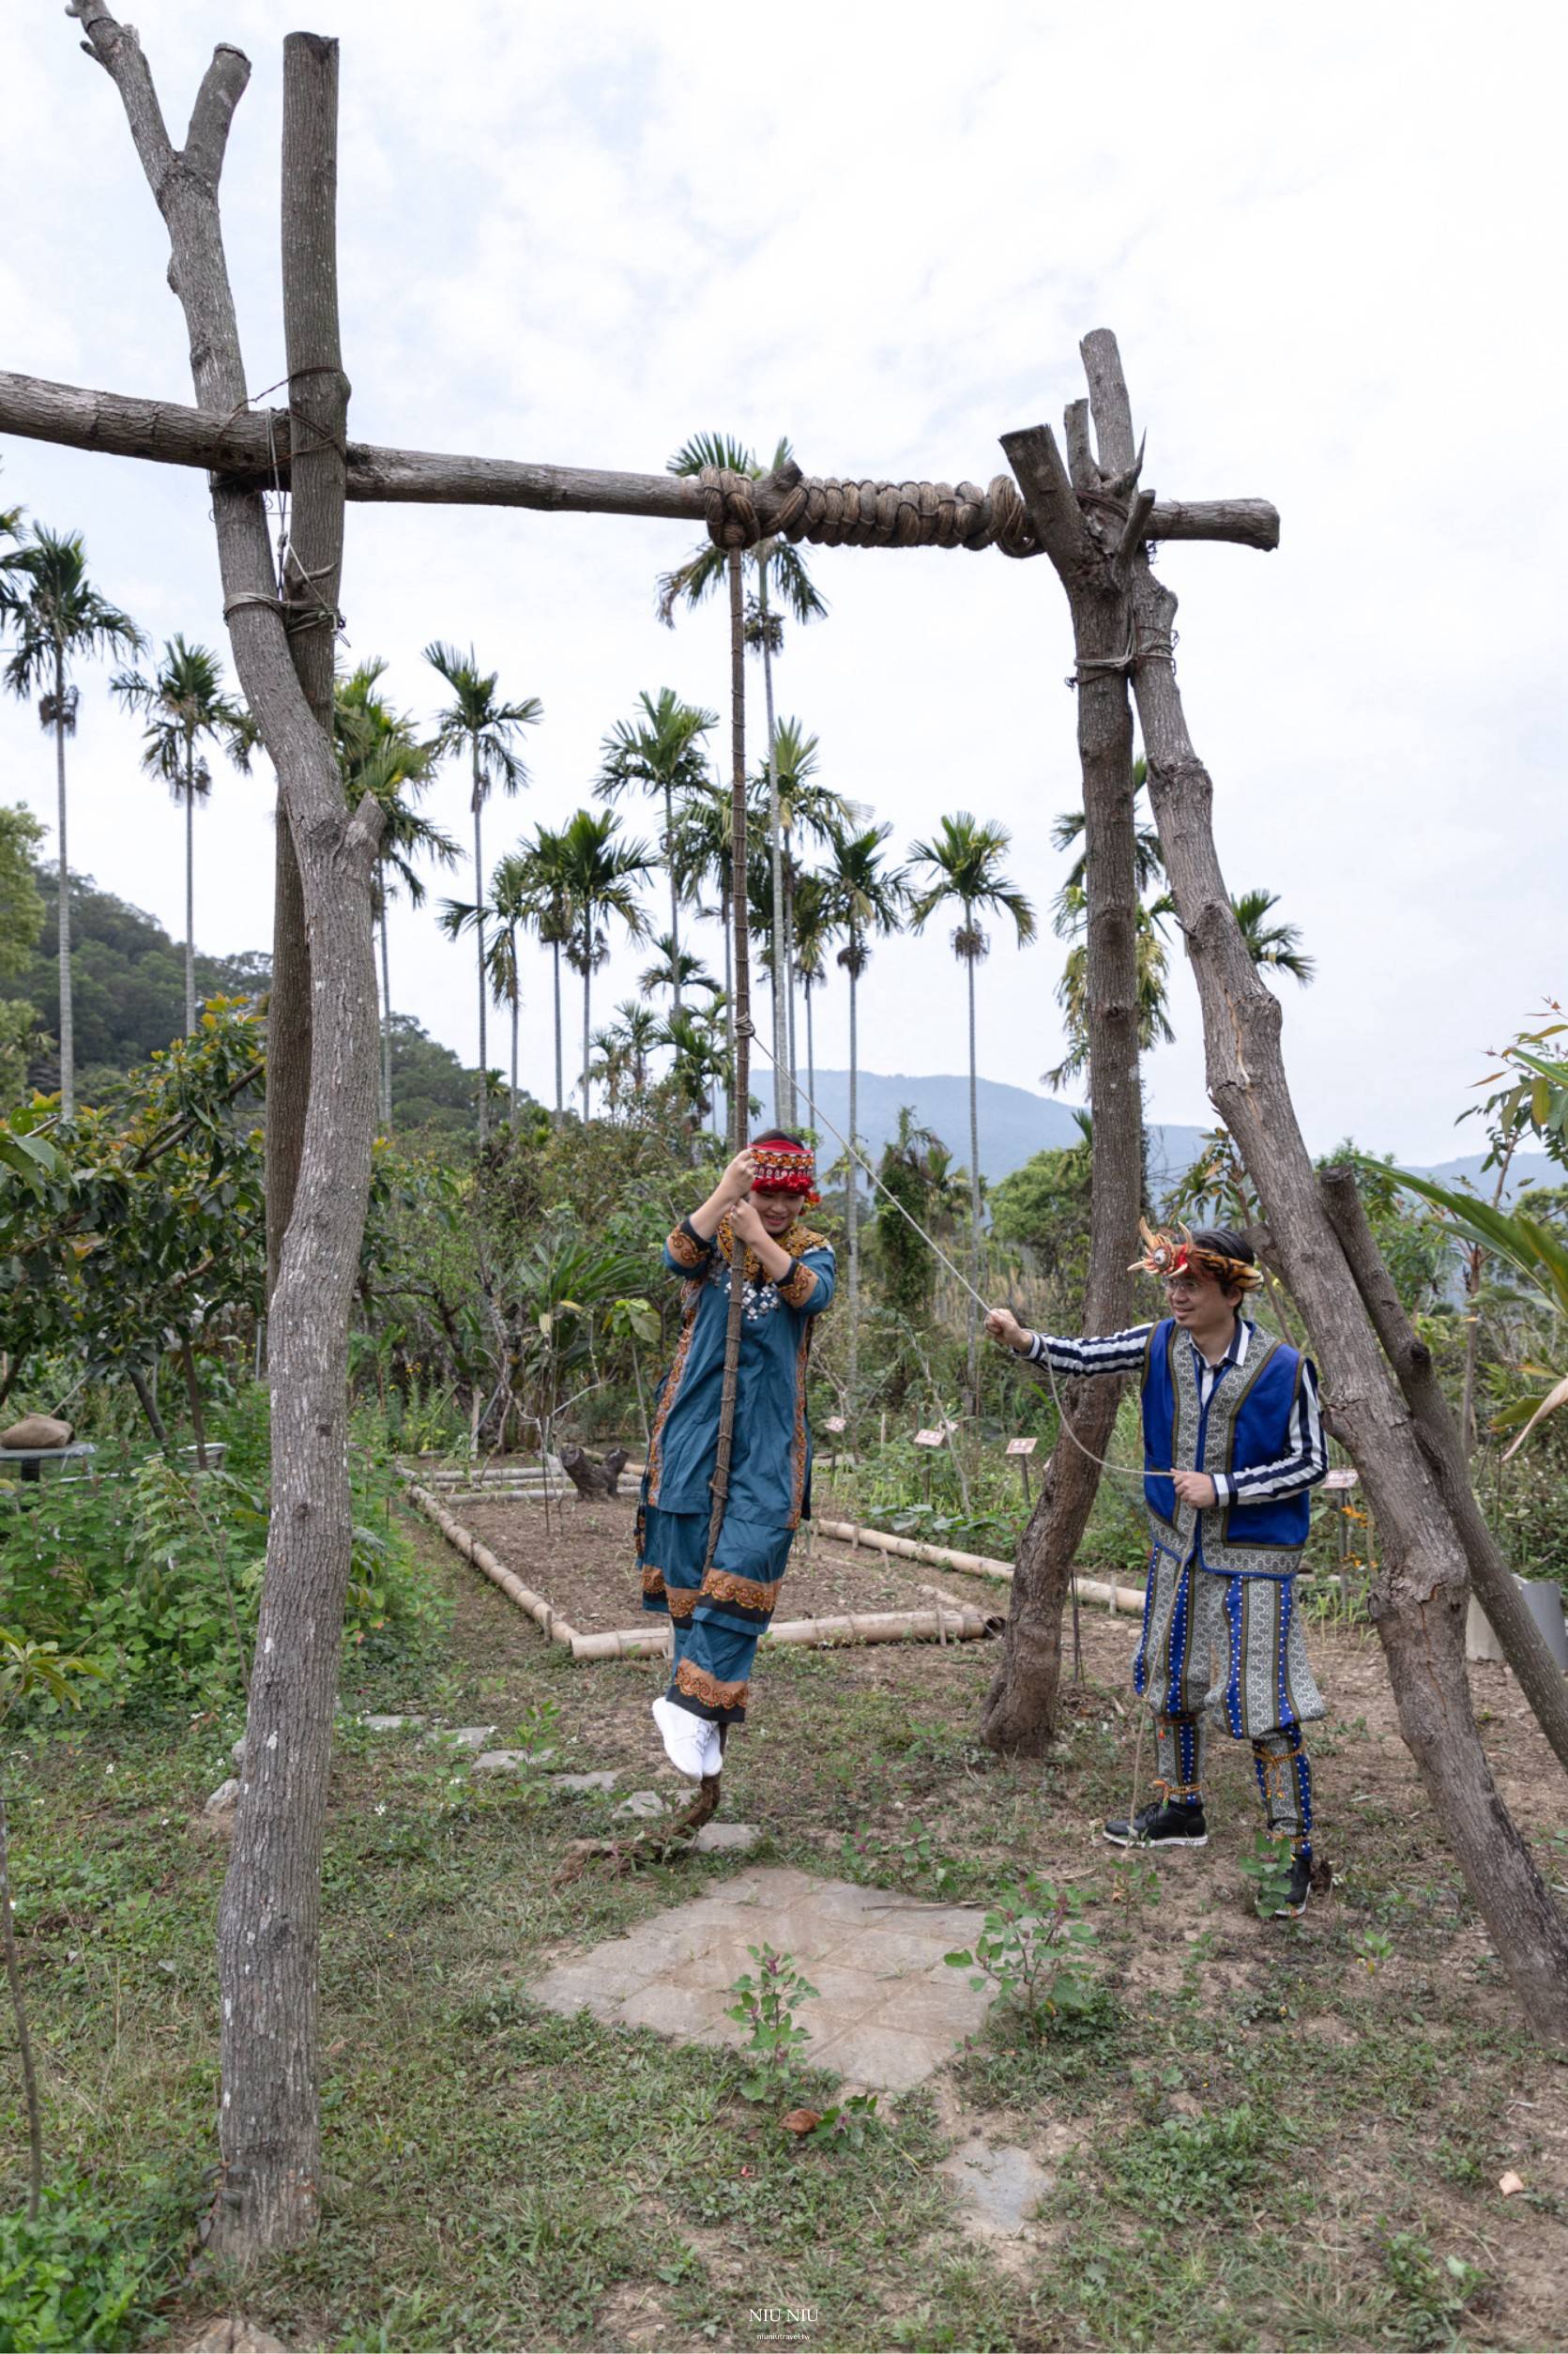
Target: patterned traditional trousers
[717,1619]
[1218,1645]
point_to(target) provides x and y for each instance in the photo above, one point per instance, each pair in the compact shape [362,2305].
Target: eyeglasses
[1180,1285]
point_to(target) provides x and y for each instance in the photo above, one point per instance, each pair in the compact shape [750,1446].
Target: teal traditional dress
[719,1614]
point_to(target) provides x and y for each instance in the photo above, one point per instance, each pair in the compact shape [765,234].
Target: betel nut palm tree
[659,752]
[776,566]
[57,619]
[864,897]
[185,704]
[381,756]
[478,721]
[544,854]
[515,901]
[599,875]
[962,867]
[808,810]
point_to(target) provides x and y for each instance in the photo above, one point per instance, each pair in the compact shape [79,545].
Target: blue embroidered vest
[1247,1420]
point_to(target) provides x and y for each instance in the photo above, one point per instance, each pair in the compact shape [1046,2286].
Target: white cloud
[1329,245]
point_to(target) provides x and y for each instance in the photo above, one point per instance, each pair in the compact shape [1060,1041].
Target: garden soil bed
[585,1567]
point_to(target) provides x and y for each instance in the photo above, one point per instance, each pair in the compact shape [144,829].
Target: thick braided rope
[831,513]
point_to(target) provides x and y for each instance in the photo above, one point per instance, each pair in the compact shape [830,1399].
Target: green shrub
[85,2274]
[156,1575]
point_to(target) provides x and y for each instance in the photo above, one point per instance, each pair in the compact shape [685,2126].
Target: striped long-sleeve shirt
[1305,1458]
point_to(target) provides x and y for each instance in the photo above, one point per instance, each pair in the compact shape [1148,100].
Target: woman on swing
[719,1608]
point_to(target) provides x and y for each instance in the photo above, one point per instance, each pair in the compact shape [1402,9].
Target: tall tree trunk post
[68,1019]
[560,1092]
[783,1072]
[587,990]
[386,1020]
[971,958]
[190,887]
[478,928]
[288,1041]
[1418,1602]
[268,1919]
[1021,1711]
[674,903]
[852,1181]
[516,995]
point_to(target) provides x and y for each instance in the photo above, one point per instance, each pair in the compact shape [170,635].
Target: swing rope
[1119,1471]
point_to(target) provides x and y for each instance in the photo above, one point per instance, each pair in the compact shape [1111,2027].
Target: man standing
[720,1608]
[1233,1442]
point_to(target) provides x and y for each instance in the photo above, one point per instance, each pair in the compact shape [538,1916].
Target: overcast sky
[1329,242]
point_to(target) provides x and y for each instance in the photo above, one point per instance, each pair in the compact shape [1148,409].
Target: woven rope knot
[832,513]
[731,503]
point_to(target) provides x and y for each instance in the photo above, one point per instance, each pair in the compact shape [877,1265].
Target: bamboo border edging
[464,1542]
[1119,1597]
[958,1624]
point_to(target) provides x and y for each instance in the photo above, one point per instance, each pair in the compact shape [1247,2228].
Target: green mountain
[128,990]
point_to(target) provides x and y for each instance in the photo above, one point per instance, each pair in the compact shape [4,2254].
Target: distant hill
[1014,1122]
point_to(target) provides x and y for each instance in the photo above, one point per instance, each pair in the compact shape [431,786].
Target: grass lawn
[1262,2135]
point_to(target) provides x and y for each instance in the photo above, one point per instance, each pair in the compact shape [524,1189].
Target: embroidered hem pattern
[707,1696]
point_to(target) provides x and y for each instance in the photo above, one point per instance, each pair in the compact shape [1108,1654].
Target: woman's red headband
[781,1168]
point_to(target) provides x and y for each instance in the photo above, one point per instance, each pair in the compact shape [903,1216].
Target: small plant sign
[1032,1951]
[765,2002]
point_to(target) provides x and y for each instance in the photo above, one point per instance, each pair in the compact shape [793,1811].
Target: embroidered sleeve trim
[685,1248]
[799,1285]
[748,1594]
[698,1685]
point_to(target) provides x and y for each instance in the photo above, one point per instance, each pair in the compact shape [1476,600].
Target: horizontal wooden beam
[253,446]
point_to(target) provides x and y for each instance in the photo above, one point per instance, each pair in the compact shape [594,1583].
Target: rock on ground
[642,1803]
[998,2188]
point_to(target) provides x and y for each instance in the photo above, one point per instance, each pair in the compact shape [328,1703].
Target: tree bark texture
[387,1024]
[1419,1600]
[189,890]
[1525,1648]
[269,2124]
[852,1182]
[1022,1709]
[67,1023]
[245,447]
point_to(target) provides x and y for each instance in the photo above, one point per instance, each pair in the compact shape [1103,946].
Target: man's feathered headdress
[1166,1254]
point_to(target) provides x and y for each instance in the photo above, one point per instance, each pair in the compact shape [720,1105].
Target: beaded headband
[781,1167]
[1166,1254]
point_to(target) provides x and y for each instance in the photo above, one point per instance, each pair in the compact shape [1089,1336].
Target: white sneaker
[712,1754]
[683,1738]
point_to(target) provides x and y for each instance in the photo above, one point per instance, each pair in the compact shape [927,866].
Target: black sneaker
[1294,1900]
[1164,1823]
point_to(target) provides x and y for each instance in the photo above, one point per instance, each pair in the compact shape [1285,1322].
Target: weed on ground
[1255,2134]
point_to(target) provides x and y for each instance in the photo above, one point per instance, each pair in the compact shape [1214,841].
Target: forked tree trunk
[269,2121]
[1419,1599]
[1022,1709]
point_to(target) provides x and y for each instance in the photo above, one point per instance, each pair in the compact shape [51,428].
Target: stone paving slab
[888,2012]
